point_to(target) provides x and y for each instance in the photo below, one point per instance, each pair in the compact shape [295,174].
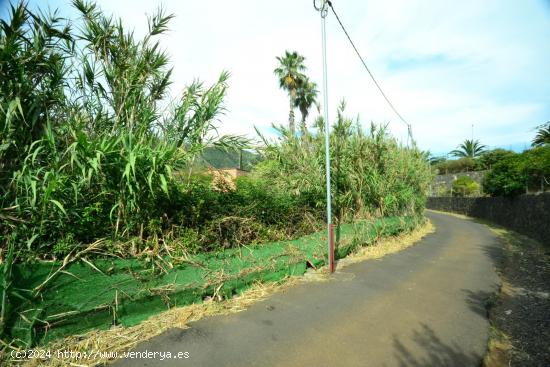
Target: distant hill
[219,158]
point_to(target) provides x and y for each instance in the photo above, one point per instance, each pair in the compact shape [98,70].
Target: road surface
[424,306]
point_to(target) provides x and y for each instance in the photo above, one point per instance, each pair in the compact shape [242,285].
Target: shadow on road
[436,352]
[519,312]
[480,302]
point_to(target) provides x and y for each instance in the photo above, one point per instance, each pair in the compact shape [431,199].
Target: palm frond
[469,148]
[543,135]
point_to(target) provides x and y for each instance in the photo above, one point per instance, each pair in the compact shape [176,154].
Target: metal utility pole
[409,134]
[322,7]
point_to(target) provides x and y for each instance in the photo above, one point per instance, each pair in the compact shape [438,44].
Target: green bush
[485,161]
[491,157]
[465,186]
[457,165]
[518,173]
[256,211]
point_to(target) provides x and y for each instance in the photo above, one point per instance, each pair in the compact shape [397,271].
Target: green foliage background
[518,173]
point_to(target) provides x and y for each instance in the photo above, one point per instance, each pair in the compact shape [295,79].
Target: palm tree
[290,74]
[543,135]
[470,149]
[306,96]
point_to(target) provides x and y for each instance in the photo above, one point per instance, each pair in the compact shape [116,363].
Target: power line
[409,127]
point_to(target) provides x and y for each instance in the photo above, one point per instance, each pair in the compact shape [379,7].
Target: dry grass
[122,339]
[498,349]
[387,246]
[461,216]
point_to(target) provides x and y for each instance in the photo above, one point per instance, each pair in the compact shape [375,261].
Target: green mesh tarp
[126,291]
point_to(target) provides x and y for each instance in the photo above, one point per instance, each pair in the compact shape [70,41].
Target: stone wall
[526,214]
[443,183]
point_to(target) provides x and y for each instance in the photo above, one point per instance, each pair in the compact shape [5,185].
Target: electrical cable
[409,127]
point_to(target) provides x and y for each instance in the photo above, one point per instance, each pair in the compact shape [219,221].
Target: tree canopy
[543,135]
[469,148]
[290,73]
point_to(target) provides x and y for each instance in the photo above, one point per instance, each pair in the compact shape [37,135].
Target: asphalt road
[423,306]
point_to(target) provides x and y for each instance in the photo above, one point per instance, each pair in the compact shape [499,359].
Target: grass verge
[119,339]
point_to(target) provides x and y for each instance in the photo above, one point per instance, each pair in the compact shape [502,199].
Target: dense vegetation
[520,173]
[89,141]
[473,156]
[372,173]
[508,173]
[97,160]
[483,161]
[92,149]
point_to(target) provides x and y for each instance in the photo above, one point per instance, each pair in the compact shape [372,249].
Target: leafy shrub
[519,173]
[232,231]
[465,186]
[255,211]
[64,246]
[483,162]
[187,240]
[491,157]
[442,191]
[457,165]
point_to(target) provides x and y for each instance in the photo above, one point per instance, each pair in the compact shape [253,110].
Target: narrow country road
[423,306]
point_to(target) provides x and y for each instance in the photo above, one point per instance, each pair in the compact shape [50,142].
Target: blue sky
[444,64]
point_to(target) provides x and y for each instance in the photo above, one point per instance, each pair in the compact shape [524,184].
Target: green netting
[82,298]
